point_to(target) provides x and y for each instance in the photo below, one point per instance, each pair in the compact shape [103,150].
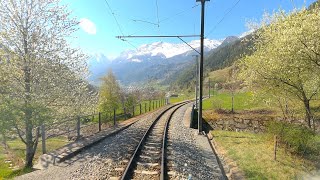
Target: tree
[109,96]
[232,84]
[42,74]
[287,57]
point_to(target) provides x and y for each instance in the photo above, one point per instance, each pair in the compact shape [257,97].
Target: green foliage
[41,76]
[286,60]
[298,139]
[109,96]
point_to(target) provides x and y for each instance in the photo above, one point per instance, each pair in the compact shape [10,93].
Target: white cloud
[88,26]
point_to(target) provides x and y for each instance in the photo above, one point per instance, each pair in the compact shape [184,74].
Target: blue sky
[176,17]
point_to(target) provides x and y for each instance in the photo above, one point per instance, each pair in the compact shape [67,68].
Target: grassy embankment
[253,153]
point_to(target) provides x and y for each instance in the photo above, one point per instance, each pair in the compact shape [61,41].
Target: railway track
[148,158]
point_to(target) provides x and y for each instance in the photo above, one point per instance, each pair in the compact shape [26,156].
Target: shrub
[296,138]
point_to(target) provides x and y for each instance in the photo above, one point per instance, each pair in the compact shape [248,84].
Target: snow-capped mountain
[165,50]
[157,60]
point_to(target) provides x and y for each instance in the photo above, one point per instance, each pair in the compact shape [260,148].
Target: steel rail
[128,171]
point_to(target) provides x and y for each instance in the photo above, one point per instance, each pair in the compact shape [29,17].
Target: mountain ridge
[162,57]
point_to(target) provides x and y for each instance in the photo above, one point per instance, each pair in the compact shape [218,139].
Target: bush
[296,138]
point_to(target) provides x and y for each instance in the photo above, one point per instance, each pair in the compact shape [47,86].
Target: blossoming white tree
[286,61]
[40,73]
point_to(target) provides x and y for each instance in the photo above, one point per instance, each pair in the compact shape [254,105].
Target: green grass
[181,97]
[17,148]
[242,101]
[253,153]
[4,168]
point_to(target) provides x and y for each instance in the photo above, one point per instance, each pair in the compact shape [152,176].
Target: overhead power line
[120,29]
[150,36]
[138,20]
[158,13]
[224,16]
[177,14]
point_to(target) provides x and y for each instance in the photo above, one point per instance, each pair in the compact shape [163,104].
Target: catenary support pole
[201,66]
[197,79]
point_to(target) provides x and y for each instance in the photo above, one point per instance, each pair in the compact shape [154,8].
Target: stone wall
[254,124]
[239,124]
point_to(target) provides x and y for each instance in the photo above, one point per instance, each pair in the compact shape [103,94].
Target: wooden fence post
[78,127]
[43,135]
[149,105]
[145,107]
[152,105]
[275,147]
[140,109]
[133,110]
[99,121]
[114,116]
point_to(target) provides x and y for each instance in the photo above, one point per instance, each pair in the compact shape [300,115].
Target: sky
[102,20]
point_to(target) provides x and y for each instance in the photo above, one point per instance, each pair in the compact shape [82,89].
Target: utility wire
[160,20]
[120,29]
[148,22]
[224,16]
[158,13]
[130,43]
[167,18]
[177,14]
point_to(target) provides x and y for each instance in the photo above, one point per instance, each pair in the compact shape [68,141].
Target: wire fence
[78,127]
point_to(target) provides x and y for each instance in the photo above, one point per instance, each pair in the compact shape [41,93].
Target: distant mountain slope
[223,56]
[157,61]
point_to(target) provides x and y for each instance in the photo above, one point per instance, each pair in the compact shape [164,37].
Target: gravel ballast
[191,156]
[98,161]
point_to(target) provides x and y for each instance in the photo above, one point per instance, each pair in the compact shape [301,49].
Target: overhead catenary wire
[118,24]
[120,29]
[144,21]
[167,18]
[158,13]
[161,20]
[177,14]
[223,17]
[130,43]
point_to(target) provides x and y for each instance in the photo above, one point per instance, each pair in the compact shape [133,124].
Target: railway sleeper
[147,151]
[150,157]
[146,172]
[153,143]
[152,147]
[148,164]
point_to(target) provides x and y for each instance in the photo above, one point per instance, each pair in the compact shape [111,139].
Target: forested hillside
[224,56]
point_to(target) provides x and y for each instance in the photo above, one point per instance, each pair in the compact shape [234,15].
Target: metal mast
[201,66]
